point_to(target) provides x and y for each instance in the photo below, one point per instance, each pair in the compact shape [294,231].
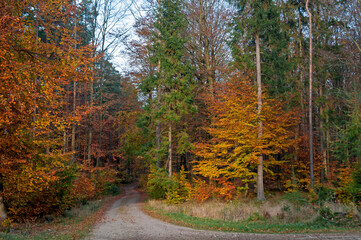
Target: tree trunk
[73,130]
[158,129]
[310,99]
[260,187]
[158,140]
[73,125]
[170,149]
[90,136]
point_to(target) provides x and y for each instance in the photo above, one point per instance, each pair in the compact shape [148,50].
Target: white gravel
[125,220]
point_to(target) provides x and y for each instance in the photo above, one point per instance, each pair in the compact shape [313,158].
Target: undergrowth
[75,223]
[292,212]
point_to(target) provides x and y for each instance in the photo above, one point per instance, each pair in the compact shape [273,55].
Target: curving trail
[125,220]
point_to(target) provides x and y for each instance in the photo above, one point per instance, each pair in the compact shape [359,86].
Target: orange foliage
[83,189]
[233,149]
[39,57]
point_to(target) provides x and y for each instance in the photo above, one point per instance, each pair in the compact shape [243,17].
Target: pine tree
[172,80]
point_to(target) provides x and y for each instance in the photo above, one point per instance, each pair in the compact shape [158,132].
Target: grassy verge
[255,217]
[75,224]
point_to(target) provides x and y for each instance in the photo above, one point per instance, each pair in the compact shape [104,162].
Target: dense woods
[219,98]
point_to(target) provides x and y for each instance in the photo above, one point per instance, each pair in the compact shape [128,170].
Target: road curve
[125,220]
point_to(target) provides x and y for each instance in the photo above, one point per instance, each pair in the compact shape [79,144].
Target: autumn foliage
[232,150]
[46,68]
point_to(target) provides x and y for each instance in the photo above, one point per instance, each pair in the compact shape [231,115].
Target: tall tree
[258,29]
[173,77]
[310,97]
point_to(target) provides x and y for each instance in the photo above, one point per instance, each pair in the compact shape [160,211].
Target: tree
[173,77]
[310,98]
[259,25]
[235,145]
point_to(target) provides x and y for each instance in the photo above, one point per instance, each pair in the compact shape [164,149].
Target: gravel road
[125,220]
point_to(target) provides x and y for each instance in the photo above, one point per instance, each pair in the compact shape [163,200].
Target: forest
[218,98]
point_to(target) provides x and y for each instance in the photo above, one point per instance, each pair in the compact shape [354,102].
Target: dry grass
[275,210]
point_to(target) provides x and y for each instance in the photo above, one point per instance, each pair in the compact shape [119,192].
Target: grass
[75,224]
[279,214]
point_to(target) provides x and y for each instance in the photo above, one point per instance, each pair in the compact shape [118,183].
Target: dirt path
[125,220]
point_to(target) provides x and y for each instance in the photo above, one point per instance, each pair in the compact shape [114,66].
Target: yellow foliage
[232,151]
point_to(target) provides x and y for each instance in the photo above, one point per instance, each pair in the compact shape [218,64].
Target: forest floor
[127,220]
[75,224]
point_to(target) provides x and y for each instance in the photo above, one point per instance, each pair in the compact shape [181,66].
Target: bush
[39,187]
[202,191]
[181,191]
[298,198]
[325,194]
[83,189]
[111,189]
[350,190]
[159,184]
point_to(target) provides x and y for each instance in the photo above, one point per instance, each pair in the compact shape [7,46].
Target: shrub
[350,187]
[325,194]
[39,187]
[83,189]
[181,190]
[202,191]
[159,183]
[111,189]
[298,198]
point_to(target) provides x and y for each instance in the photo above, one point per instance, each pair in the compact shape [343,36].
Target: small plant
[325,194]
[111,189]
[159,184]
[6,225]
[256,217]
[286,208]
[181,191]
[298,198]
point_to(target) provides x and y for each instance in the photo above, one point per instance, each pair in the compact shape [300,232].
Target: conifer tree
[173,79]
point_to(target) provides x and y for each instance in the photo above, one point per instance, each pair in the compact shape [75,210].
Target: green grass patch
[252,225]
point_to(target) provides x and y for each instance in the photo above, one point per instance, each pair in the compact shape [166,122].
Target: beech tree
[235,145]
[259,21]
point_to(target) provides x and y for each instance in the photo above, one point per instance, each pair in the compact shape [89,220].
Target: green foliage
[40,188]
[159,183]
[352,191]
[175,189]
[347,148]
[263,18]
[328,217]
[298,198]
[325,194]
[252,226]
[5,225]
[111,189]
[181,192]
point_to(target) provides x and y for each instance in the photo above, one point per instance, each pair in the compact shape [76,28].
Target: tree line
[255,94]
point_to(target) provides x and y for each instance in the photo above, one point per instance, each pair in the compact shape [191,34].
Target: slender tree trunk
[73,130]
[90,127]
[310,99]
[65,133]
[301,69]
[73,125]
[98,162]
[323,139]
[158,128]
[260,187]
[170,149]
[158,132]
